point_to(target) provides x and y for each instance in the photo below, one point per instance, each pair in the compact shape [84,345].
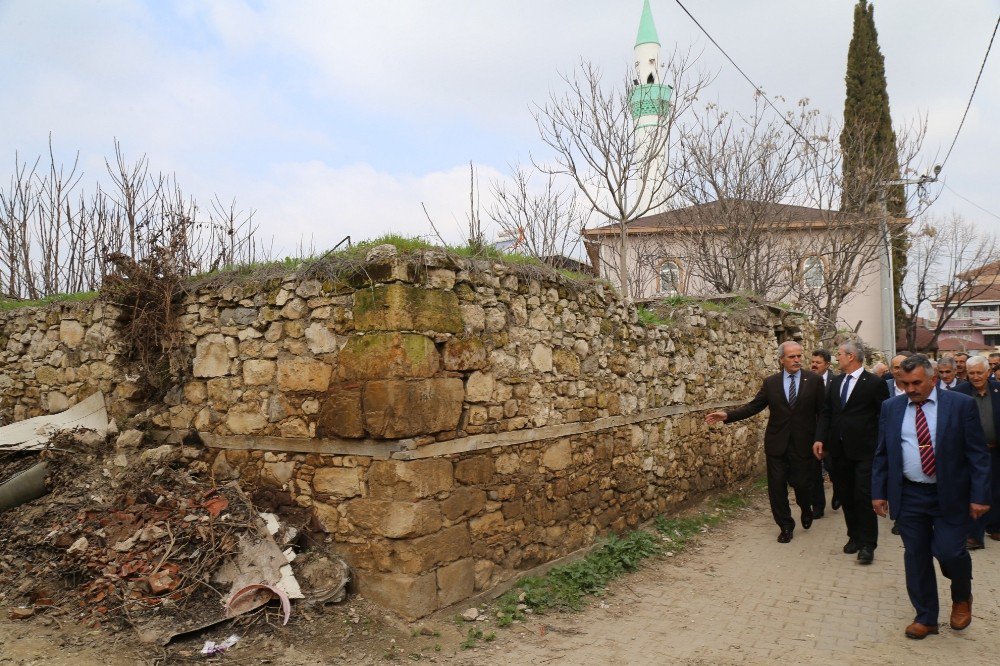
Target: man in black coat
[848,433]
[986,393]
[794,398]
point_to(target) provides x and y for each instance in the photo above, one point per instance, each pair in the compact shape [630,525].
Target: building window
[812,272]
[670,277]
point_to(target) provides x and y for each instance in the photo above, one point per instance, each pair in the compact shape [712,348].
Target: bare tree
[950,263]
[56,239]
[543,222]
[622,169]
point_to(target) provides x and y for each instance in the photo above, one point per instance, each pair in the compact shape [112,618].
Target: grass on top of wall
[567,586]
[7,304]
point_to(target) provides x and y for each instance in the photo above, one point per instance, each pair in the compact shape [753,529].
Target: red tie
[924,441]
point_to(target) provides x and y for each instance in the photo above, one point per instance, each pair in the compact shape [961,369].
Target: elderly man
[986,393]
[848,433]
[946,370]
[879,370]
[961,373]
[794,398]
[932,474]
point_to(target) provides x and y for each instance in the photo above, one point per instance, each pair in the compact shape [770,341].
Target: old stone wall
[448,422]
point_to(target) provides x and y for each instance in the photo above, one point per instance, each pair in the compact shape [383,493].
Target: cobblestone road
[740,597]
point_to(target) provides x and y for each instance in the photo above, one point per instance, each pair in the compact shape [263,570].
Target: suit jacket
[993,388]
[941,386]
[851,430]
[786,426]
[962,461]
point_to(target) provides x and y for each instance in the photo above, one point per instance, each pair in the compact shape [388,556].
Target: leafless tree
[543,222]
[55,238]
[623,170]
[951,263]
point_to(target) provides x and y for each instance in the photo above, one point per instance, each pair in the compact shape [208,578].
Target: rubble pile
[131,539]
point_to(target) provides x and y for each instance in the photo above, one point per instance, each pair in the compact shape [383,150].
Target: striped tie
[792,395]
[924,441]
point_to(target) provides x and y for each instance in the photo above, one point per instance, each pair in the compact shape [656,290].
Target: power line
[744,74]
[970,201]
[976,85]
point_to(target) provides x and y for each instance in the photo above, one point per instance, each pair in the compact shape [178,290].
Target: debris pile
[141,539]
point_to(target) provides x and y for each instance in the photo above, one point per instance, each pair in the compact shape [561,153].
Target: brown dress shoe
[995,536]
[920,631]
[961,614]
[973,544]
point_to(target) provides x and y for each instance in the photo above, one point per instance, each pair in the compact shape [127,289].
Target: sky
[335,118]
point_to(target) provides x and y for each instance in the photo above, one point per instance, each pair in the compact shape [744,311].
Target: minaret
[650,99]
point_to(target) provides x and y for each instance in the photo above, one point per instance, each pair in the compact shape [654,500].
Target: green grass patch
[649,317]
[567,586]
[56,298]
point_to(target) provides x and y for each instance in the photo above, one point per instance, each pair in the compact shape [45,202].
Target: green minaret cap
[647,29]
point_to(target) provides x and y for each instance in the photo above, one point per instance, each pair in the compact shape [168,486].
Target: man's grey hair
[917,361]
[856,349]
[781,347]
[947,362]
[977,361]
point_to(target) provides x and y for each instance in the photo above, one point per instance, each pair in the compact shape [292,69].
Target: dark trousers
[788,469]
[818,491]
[852,484]
[927,533]
[990,522]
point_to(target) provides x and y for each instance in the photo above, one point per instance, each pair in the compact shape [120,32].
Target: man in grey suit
[931,473]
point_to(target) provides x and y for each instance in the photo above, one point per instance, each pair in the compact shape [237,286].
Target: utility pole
[888,288]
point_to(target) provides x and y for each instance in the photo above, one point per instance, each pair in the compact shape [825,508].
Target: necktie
[927,463]
[792,395]
[843,391]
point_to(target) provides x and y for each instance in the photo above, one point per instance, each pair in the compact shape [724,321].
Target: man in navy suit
[986,393]
[931,472]
[946,369]
[848,432]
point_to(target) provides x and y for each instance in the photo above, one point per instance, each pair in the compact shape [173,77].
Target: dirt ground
[734,597]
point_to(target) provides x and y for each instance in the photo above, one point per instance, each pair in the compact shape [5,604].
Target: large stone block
[397,408]
[340,413]
[464,353]
[245,418]
[71,333]
[395,520]
[409,479]
[388,356]
[412,596]
[463,502]
[475,470]
[337,481]
[399,307]
[456,581]
[320,338]
[479,387]
[258,372]
[414,556]
[302,373]
[211,356]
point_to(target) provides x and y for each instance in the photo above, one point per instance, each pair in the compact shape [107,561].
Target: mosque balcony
[650,99]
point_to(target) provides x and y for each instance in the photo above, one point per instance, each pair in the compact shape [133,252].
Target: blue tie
[843,391]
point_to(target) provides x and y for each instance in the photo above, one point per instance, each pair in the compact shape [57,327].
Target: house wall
[447,423]
[864,306]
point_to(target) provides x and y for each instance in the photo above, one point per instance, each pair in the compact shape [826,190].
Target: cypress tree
[867,141]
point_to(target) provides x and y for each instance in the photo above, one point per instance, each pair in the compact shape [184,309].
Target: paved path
[740,597]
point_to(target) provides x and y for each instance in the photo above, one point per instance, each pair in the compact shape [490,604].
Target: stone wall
[447,422]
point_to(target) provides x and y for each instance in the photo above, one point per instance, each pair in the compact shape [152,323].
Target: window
[812,272]
[670,277]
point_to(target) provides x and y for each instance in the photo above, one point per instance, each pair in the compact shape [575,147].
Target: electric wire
[744,75]
[969,201]
[969,104]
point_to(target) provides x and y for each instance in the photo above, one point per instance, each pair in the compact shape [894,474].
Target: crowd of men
[915,440]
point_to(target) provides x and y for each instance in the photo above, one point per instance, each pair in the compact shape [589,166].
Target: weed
[649,318]
[472,638]
[56,298]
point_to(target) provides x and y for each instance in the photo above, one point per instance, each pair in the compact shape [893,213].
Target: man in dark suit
[794,398]
[820,364]
[932,474]
[986,393]
[946,369]
[848,433]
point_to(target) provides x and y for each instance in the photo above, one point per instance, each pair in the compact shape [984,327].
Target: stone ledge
[407,449]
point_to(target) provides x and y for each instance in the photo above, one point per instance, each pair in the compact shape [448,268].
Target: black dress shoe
[807,518]
[817,514]
[785,536]
[865,555]
[895,529]
[835,504]
[851,547]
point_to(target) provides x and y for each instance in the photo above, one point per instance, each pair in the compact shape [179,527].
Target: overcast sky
[334,118]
